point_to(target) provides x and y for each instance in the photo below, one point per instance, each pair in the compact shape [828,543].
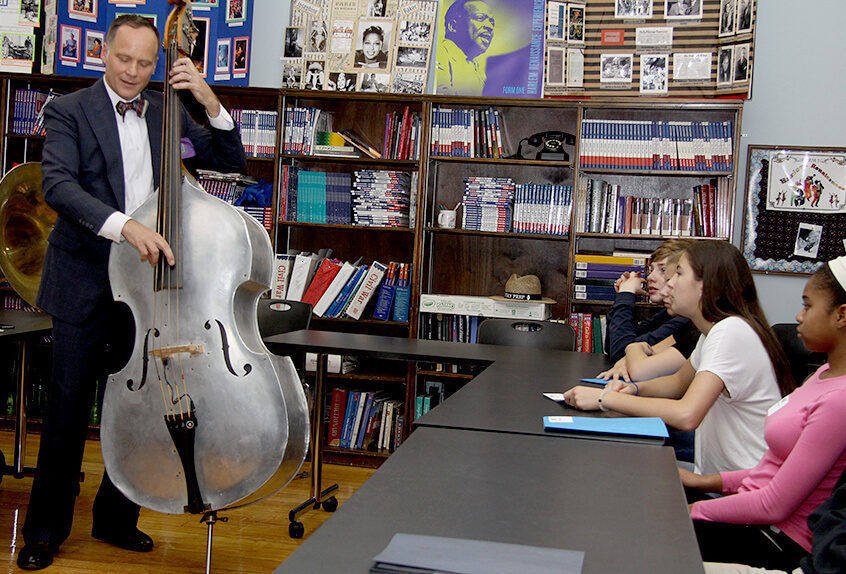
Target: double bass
[203,417]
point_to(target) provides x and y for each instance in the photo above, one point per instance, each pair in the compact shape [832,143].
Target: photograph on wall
[19,49]
[556,20]
[236,11]
[654,73]
[575,68]
[69,38]
[555,66]
[414,33]
[741,63]
[83,10]
[28,16]
[373,44]
[615,68]
[94,48]
[373,82]
[576,23]
[728,10]
[223,55]
[341,82]
[692,67]
[633,9]
[342,36]
[315,75]
[375,9]
[795,207]
[293,42]
[683,9]
[654,38]
[317,37]
[492,48]
[199,54]
[724,65]
[240,54]
[292,74]
[408,83]
[412,57]
[203,3]
[744,17]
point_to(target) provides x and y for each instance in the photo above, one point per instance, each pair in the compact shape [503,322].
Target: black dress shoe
[133,539]
[36,556]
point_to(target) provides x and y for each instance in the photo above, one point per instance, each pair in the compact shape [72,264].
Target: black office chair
[277,316]
[803,362]
[527,333]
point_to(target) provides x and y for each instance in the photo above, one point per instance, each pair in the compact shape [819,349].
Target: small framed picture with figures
[795,206]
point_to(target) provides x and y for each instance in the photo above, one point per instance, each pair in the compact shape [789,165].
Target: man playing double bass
[101,158]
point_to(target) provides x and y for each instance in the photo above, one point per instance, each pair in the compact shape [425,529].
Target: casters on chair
[296,529]
[330,504]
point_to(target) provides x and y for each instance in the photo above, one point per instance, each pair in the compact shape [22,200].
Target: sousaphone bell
[25,222]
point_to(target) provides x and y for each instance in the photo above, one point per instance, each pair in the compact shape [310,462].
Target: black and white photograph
[724,69]
[373,82]
[405,83]
[28,15]
[692,66]
[744,17]
[317,37]
[615,68]
[654,73]
[412,57]
[373,43]
[375,8]
[741,64]
[293,42]
[633,9]
[683,9]
[292,74]
[20,47]
[556,66]
[315,75]
[341,82]
[411,32]
[808,240]
[728,10]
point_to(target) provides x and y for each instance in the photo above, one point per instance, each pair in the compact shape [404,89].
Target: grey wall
[799,77]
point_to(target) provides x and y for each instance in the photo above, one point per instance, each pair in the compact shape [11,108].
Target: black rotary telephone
[546,146]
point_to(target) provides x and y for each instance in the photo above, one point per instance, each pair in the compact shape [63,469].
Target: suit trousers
[82,354]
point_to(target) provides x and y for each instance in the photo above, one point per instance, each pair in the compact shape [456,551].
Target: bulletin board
[795,214]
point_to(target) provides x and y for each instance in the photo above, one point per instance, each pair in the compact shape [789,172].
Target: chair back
[277,316]
[527,333]
[803,362]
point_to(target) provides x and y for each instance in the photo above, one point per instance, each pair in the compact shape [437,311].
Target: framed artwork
[70,40]
[795,206]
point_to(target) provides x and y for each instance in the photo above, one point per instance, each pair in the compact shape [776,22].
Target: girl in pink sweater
[763,519]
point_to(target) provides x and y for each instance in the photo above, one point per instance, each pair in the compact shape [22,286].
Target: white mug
[446,218]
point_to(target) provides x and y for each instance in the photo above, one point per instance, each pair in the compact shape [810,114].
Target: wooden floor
[255,539]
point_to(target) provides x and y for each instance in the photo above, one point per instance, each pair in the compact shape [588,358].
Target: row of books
[488,203]
[230,187]
[301,127]
[594,275]
[402,135]
[542,208]
[471,132]
[382,198]
[364,420]
[432,395]
[605,208]
[258,131]
[343,289]
[590,332]
[323,197]
[27,114]
[659,145]
[449,327]
[15,303]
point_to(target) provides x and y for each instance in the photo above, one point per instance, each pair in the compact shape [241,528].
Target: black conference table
[621,504]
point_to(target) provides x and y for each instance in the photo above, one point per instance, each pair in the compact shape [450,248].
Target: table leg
[17,468]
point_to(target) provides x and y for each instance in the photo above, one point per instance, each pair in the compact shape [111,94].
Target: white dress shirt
[138,164]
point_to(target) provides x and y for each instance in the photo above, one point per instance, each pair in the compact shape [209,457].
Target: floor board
[254,540]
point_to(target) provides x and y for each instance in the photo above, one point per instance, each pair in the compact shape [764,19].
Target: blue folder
[635,426]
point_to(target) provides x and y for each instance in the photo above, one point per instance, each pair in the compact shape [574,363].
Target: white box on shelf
[483,307]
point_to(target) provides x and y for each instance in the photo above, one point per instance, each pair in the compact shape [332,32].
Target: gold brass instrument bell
[25,222]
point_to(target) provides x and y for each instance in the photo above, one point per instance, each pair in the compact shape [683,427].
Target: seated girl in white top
[737,371]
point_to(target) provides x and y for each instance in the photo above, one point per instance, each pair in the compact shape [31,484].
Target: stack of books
[658,145]
[381,198]
[258,131]
[332,144]
[402,135]
[364,420]
[488,203]
[27,107]
[594,275]
[542,208]
[467,133]
[323,197]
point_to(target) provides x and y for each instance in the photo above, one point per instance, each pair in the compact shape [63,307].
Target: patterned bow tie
[138,104]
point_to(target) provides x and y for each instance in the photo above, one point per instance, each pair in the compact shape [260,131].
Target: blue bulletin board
[223,45]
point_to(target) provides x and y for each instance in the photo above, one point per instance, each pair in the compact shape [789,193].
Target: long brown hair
[728,290]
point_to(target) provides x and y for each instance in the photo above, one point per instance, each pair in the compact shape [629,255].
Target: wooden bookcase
[448,261]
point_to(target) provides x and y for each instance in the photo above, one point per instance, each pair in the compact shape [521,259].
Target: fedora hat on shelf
[525,288]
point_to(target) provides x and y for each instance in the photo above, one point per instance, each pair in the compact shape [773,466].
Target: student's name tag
[565,420]
[778,405]
[557,397]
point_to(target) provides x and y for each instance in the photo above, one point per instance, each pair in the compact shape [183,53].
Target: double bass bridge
[165,353]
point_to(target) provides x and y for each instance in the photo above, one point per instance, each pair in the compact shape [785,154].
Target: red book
[336,416]
[587,333]
[405,129]
[321,281]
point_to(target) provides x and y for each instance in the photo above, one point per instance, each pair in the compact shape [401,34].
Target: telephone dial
[545,145]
